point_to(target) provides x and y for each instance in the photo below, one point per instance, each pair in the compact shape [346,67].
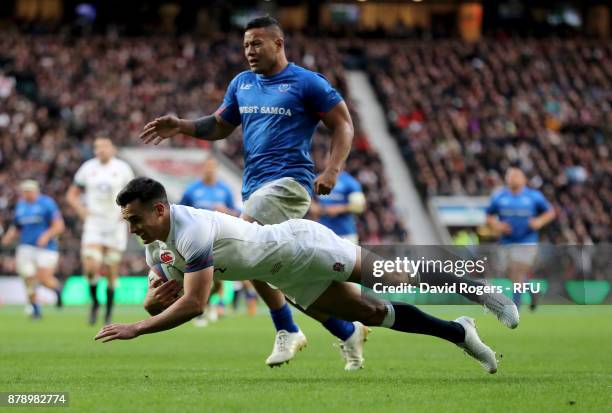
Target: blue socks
[339,328]
[283,319]
[36,310]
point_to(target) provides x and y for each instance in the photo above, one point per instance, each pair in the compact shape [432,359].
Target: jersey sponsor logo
[167,257]
[219,269]
[246,86]
[284,87]
[267,110]
[339,267]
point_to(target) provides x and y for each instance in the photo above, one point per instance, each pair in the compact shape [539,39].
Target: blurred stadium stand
[460,109]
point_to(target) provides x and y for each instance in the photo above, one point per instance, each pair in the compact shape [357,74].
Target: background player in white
[37,222]
[304,259]
[104,236]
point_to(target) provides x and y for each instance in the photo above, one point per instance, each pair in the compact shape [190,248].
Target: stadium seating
[58,92]
[462,113]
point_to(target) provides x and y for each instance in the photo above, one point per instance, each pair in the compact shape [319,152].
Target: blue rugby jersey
[279,115]
[343,224]
[203,196]
[517,210]
[32,219]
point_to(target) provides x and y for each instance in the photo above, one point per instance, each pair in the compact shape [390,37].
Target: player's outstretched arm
[339,121]
[210,128]
[197,286]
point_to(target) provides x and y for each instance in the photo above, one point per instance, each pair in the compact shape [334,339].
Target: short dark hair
[263,22]
[143,189]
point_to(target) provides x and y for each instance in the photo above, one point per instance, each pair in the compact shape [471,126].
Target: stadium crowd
[462,113]
[59,92]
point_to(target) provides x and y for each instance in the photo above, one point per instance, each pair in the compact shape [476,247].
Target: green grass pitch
[558,360]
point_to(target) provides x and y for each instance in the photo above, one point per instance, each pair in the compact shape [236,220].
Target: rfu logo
[284,87]
[246,86]
[167,257]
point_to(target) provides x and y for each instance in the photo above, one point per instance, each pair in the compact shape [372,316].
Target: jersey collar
[272,78]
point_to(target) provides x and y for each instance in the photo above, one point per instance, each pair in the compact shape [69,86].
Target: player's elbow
[151,309]
[348,130]
[194,307]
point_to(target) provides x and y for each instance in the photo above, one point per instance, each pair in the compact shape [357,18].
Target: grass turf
[558,360]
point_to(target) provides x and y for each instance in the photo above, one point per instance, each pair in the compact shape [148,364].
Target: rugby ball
[166,272]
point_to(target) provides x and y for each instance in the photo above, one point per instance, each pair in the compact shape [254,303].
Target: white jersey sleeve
[195,234]
[149,259]
[81,173]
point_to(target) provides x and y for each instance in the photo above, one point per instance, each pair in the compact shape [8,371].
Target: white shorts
[101,232]
[28,259]
[278,201]
[525,254]
[320,258]
[354,238]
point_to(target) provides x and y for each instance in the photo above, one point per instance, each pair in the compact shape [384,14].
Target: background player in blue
[214,195]
[209,192]
[279,105]
[37,223]
[517,213]
[337,210]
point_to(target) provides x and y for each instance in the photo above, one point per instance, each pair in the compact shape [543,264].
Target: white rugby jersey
[102,183]
[239,250]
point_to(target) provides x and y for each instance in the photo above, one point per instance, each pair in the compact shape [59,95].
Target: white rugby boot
[352,348]
[474,347]
[286,346]
[503,307]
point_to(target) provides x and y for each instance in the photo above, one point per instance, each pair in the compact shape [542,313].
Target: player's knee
[373,313]
[112,258]
[91,256]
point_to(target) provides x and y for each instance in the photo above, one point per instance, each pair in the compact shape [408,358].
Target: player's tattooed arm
[208,128]
[204,126]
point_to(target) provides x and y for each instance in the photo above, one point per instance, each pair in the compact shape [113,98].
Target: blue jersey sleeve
[319,95]
[52,211]
[195,245]
[186,198]
[542,204]
[355,186]
[493,208]
[16,220]
[229,199]
[229,110]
